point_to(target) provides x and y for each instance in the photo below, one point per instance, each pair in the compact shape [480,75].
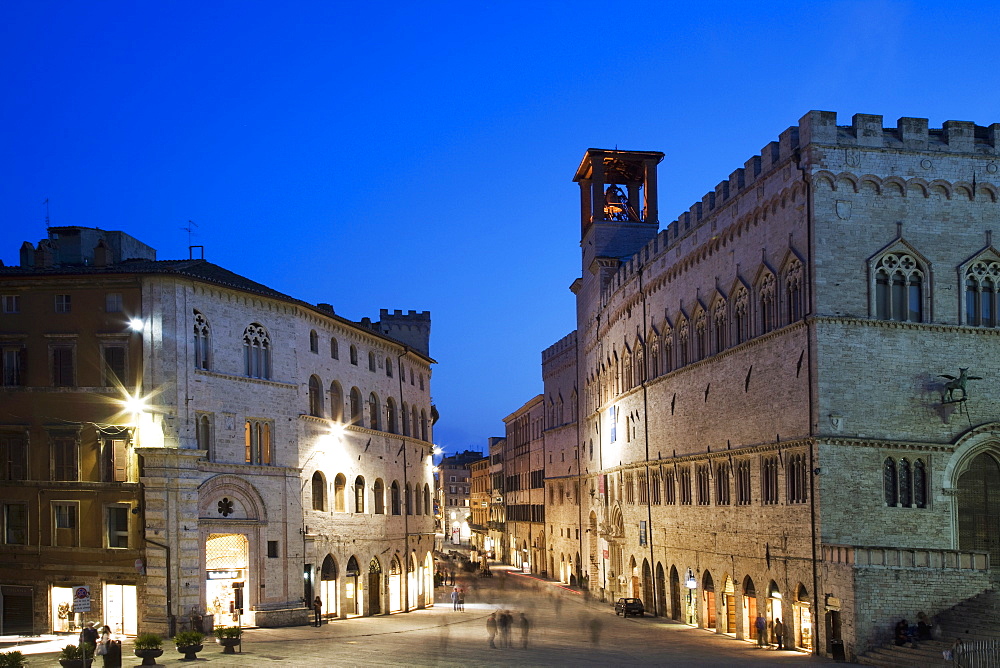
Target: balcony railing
[864,556]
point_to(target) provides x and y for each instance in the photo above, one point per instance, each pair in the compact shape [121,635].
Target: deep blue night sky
[420,156]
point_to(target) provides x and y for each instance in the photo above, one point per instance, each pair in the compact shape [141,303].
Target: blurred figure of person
[761,625]
[503,625]
[924,627]
[779,630]
[317,611]
[595,631]
[89,634]
[899,635]
[103,643]
[525,627]
[461,599]
[491,628]
[454,598]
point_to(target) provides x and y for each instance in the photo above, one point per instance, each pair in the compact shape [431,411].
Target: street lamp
[690,582]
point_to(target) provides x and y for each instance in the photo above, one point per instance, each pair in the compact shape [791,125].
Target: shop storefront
[803,619]
[352,589]
[329,592]
[121,610]
[774,608]
[395,586]
[226,577]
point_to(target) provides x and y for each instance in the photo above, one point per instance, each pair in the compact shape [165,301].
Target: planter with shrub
[189,644]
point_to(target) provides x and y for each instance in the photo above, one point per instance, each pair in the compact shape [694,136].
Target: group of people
[499,624]
[911,633]
[101,641]
[458,599]
[777,630]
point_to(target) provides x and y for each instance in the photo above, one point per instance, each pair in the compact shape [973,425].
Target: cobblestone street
[565,630]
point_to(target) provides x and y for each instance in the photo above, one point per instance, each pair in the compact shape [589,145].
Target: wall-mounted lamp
[690,582]
[136,324]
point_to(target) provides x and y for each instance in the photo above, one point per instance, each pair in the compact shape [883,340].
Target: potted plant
[189,644]
[72,656]
[147,647]
[12,660]
[228,637]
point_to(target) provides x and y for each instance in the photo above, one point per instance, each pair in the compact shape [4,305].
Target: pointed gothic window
[889,482]
[981,280]
[899,288]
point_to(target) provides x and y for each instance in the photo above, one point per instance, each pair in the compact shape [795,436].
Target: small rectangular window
[11,303]
[13,457]
[63,304]
[15,523]
[113,302]
[64,523]
[63,367]
[117,535]
[115,460]
[272,549]
[13,360]
[64,458]
[114,365]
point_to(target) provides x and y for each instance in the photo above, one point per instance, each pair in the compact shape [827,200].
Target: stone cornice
[246,379]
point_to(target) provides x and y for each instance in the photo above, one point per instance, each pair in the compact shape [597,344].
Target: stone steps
[978,618]
[927,654]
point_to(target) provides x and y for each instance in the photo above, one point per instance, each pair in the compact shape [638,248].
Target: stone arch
[962,189]
[872,181]
[988,190]
[675,594]
[848,180]
[972,479]
[238,498]
[893,185]
[708,591]
[648,596]
[661,591]
[919,186]
[940,187]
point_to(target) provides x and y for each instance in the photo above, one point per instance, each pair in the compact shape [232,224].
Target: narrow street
[565,630]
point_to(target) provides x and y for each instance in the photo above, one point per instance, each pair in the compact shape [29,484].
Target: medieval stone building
[786,398]
[182,442]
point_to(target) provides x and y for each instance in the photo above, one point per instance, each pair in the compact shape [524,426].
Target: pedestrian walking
[525,627]
[461,599]
[88,634]
[503,625]
[595,631]
[317,611]
[779,631]
[454,598]
[491,628]
[761,625]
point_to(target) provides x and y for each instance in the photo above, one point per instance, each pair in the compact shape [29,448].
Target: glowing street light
[136,324]
[134,404]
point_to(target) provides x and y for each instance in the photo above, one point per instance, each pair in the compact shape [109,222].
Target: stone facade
[283,452]
[524,487]
[763,415]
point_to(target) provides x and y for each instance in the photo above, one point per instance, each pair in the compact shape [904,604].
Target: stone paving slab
[565,630]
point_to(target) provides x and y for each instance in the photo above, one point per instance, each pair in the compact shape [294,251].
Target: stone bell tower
[618,213]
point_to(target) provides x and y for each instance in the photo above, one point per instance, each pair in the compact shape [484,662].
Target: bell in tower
[618,186]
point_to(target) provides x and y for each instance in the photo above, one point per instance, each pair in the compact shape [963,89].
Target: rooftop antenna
[189,228]
[46,203]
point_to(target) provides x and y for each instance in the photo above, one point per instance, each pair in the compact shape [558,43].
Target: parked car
[629,606]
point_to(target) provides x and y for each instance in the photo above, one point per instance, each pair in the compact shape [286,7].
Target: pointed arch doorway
[374,587]
[978,500]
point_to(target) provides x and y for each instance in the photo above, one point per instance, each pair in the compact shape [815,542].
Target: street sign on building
[81,599]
